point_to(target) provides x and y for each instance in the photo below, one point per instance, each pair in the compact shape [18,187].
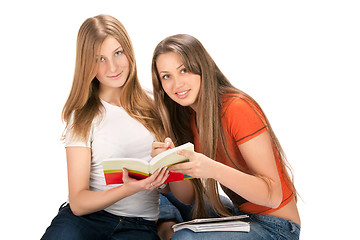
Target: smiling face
[114,65]
[179,84]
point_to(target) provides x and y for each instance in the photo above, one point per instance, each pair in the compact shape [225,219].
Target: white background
[300,60]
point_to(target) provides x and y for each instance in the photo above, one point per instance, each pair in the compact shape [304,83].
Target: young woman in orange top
[234,142]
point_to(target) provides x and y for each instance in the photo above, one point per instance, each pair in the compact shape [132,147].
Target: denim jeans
[261,226]
[98,225]
[171,208]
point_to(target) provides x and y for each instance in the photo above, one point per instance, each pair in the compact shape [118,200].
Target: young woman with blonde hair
[234,142]
[107,114]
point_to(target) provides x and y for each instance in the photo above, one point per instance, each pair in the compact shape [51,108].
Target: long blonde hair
[214,86]
[83,101]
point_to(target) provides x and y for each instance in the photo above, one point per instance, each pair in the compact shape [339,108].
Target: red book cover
[140,169]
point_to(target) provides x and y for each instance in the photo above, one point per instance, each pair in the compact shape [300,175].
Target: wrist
[127,191]
[216,170]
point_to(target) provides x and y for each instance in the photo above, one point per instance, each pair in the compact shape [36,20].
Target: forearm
[86,201]
[183,191]
[259,190]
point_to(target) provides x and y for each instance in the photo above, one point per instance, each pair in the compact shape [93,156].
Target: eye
[101,59]
[183,70]
[119,53]
[166,76]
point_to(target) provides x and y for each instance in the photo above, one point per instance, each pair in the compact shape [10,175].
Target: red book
[139,169]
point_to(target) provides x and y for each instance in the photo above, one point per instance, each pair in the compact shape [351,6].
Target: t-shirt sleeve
[73,141]
[244,120]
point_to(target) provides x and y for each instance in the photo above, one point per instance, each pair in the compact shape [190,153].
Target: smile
[182,93]
[116,76]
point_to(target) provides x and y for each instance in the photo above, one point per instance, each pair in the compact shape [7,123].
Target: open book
[137,168]
[232,223]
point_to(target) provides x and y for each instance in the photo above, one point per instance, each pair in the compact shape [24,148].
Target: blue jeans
[261,226]
[172,209]
[98,225]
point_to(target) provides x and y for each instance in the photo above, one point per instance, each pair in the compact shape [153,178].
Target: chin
[184,104]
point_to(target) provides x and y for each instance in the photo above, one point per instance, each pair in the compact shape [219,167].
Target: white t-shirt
[116,134]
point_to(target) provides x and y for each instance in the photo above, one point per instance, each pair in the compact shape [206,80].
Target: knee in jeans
[183,234]
[64,230]
[61,233]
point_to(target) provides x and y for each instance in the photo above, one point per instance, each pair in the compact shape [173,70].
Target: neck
[110,95]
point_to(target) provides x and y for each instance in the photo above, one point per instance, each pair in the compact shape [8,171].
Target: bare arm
[82,200]
[262,187]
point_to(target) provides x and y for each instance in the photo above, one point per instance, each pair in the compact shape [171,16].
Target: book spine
[115,177]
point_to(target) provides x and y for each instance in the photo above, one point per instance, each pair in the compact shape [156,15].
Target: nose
[179,81]
[112,65]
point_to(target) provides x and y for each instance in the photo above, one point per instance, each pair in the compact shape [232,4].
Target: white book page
[169,157]
[205,220]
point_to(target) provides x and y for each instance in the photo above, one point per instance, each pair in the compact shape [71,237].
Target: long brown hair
[214,85]
[83,102]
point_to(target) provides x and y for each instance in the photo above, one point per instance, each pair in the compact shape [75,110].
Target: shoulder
[75,135]
[239,105]
[242,117]
[237,101]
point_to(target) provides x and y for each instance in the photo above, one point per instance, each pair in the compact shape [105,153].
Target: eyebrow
[117,49]
[120,47]
[176,68]
[180,66]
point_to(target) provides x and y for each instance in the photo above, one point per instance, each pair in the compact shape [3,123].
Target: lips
[115,76]
[182,94]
